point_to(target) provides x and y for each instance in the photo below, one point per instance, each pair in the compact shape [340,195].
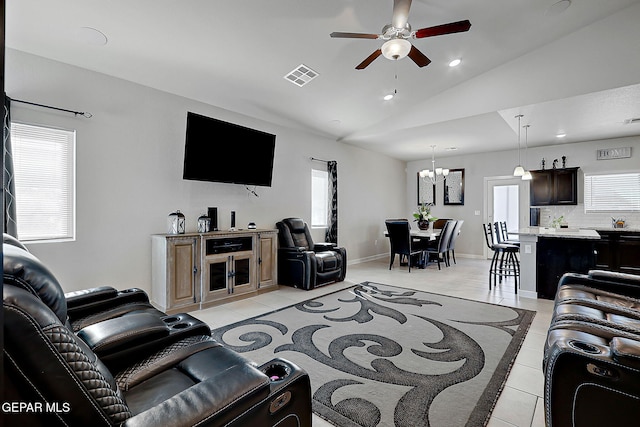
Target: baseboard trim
[470,256]
[367,259]
[528,294]
[386,255]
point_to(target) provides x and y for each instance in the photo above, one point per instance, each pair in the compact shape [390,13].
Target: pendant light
[527,174]
[519,170]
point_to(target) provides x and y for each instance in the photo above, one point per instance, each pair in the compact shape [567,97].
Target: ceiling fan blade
[353,35]
[418,57]
[439,30]
[400,13]
[364,64]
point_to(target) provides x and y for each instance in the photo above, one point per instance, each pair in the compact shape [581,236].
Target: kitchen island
[547,253]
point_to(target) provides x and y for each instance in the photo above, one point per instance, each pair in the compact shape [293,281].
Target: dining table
[421,234]
[417,234]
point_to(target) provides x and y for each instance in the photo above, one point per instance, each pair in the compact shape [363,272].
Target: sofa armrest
[297,267]
[114,335]
[626,351]
[103,299]
[213,402]
[88,296]
[325,246]
[613,276]
[609,281]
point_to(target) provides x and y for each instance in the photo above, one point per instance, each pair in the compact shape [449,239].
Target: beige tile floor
[521,401]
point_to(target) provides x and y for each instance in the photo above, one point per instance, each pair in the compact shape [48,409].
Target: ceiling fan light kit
[396,35]
[395,49]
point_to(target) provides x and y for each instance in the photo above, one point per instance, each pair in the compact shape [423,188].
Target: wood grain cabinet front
[195,271]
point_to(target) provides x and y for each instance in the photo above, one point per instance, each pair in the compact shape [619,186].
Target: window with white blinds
[612,192]
[44,168]
[319,198]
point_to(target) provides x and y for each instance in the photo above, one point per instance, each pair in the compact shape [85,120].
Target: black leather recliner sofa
[592,353]
[303,263]
[135,367]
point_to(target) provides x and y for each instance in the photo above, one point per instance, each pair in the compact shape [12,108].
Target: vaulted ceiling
[572,69]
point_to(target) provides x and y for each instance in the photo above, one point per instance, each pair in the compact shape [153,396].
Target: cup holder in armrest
[585,347]
[277,371]
[185,324]
[182,325]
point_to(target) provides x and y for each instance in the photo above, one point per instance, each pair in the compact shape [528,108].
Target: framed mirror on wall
[426,191]
[454,187]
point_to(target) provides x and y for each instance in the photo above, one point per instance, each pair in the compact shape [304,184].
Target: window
[319,198]
[44,168]
[612,192]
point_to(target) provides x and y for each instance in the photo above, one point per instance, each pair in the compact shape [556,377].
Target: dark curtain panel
[332,224]
[8,182]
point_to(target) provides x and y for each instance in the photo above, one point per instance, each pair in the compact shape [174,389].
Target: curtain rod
[321,160]
[77,113]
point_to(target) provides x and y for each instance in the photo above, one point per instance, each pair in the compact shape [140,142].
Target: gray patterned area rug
[380,355]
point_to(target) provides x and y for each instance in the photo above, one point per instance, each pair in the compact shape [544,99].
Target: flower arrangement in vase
[423,217]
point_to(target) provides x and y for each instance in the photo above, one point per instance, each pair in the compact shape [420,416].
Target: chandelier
[435,174]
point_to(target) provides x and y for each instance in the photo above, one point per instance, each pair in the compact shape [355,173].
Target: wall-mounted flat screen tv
[225,152]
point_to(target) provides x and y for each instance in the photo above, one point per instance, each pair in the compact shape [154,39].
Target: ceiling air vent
[301,75]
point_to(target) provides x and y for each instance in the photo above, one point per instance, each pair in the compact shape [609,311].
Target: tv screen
[225,152]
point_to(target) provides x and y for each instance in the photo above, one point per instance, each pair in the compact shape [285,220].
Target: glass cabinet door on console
[228,268]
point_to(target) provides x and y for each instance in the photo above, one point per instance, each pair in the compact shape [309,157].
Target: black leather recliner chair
[138,369]
[592,353]
[303,263]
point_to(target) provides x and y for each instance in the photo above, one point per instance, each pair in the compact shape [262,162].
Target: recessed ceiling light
[558,7]
[388,97]
[455,62]
[92,36]
[561,135]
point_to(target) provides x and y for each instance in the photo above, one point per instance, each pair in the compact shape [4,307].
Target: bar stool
[503,235]
[504,262]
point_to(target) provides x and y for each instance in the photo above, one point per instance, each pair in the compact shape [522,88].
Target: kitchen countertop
[560,233]
[615,230]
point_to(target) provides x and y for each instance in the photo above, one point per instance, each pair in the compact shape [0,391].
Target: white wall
[496,164]
[129,174]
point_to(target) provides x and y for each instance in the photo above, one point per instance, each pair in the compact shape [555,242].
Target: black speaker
[233,219]
[212,213]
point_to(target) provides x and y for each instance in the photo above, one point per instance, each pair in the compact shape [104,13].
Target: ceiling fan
[396,35]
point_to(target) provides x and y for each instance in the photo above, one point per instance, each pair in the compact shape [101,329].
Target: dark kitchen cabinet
[619,251]
[554,257]
[554,187]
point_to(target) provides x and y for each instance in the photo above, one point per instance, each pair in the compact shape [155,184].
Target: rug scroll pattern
[379,355]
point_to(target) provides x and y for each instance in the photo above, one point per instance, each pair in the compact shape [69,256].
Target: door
[507,199]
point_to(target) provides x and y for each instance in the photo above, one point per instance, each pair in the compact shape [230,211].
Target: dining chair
[440,246]
[440,222]
[401,242]
[452,241]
